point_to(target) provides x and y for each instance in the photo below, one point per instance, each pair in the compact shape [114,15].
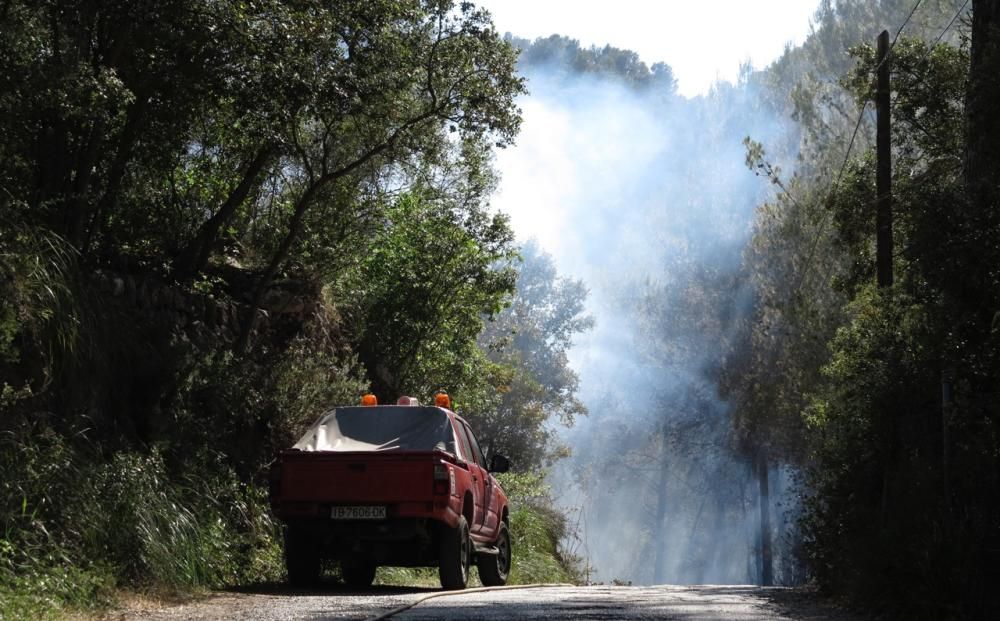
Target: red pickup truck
[403,485]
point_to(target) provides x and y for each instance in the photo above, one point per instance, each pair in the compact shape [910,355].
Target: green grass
[74,528]
[537,531]
[47,584]
[407,576]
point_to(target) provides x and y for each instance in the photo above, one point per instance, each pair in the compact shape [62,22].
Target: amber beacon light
[442,400]
[369,399]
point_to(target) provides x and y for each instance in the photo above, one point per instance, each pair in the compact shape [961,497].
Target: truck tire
[494,568]
[357,573]
[454,555]
[301,558]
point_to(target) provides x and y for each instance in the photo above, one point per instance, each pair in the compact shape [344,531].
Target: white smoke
[633,193]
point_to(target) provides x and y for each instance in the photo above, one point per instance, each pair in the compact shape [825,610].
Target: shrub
[538,531]
[74,525]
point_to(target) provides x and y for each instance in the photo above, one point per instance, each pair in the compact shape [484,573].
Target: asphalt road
[743,603]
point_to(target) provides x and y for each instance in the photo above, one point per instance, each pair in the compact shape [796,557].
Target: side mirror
[499,464]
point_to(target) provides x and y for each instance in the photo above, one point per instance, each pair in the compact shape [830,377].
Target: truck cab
[402,485]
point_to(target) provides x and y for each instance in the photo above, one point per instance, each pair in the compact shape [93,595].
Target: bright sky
[702,40]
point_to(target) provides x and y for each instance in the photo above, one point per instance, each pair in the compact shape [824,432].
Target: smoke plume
[646,197]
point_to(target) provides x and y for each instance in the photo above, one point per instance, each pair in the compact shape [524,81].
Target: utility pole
[883,178]
[883,224]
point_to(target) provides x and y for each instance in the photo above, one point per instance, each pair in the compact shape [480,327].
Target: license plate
[357,513]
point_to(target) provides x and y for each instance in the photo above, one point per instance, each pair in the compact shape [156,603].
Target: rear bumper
[403,542]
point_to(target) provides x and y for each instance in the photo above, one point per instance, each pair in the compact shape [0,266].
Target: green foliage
[202,533]
[238,127]
[886,470]
[409,577]
[309,380]
[45,586]
[876,475]
[248,408]
[538,531]
[421,292]
[777,349]
[42,567]
[529,341]
[40,308]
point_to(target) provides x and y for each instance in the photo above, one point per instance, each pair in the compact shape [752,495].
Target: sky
[703,41]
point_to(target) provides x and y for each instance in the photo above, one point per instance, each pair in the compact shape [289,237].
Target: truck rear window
[383,428]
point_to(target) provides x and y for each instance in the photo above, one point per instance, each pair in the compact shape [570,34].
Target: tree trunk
[660,534]
[294,229]
[195,255]
[80,206]
[130,135]
[981,105]
[766,562]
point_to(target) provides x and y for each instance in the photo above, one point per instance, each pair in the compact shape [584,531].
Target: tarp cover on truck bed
[382,428]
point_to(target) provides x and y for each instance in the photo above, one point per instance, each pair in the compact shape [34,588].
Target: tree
[380,109]
[531,339]
[183,125]
[564,56]
[886,461]
[417,300]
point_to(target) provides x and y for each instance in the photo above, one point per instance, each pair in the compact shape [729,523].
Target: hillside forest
[220,219]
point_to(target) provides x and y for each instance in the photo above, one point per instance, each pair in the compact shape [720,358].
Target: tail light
[442,478]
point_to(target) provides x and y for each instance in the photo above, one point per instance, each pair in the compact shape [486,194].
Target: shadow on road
[806,603]
[326,587]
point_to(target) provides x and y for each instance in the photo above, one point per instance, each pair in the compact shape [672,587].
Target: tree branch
[195,255]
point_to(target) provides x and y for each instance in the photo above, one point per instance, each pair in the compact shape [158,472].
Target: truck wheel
[357,574]
[494,569]
[301,558]
[454,552]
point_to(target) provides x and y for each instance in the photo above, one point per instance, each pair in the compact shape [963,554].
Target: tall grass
[39,293]
[74,526]
[538,530]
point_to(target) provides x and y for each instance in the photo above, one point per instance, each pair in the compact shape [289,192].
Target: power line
[893,44]
[857,126]
[833,187]
[930,48]
[829,195]
[951,23]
